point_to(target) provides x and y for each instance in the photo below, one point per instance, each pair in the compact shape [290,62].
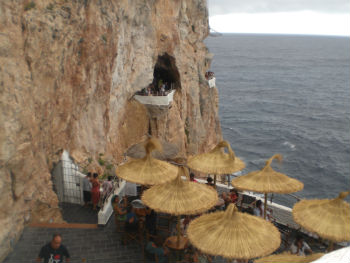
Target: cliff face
[68,72]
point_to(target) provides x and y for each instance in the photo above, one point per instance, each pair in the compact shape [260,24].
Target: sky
[310,17]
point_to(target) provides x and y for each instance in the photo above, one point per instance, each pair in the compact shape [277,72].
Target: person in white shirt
[259,210]
[87,189]
[299,247]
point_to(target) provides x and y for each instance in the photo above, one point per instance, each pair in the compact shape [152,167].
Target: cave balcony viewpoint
[211,82]
[155,99]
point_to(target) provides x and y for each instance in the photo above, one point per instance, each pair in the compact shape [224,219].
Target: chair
[286,234]
[149,256]
[164,222]
[136,235]
[119,224]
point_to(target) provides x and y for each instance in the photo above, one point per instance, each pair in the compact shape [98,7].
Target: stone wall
[68,71]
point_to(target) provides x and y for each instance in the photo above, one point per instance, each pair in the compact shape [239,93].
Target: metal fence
[67,181]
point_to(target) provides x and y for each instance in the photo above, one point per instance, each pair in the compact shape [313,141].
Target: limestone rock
[68,72]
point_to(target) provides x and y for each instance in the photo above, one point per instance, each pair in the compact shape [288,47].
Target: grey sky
[221,7]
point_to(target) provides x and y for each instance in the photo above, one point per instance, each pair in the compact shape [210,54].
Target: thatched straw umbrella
[148,170]
[268,181]
[289,258]
[216,161]
[180,197]
[138,151]
[232,234]
[329,218]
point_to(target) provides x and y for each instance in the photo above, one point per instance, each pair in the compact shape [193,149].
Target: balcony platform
[156,100]
[211,82]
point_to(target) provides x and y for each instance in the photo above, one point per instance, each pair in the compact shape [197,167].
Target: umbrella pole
[330,246]
[215,179]
[178,230]
[265,205]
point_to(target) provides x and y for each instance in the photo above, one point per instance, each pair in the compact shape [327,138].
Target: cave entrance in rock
[166,80]
[166,72]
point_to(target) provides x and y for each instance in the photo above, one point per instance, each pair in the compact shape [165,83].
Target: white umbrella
[338,256]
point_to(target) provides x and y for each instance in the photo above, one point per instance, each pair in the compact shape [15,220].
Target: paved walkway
[73,213]
[90,245]
[100,245]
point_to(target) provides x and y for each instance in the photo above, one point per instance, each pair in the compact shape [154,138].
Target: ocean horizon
[287,94]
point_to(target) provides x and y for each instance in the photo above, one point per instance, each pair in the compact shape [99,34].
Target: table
[220,202]
[171,242]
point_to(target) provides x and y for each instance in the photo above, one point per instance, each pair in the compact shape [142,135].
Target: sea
[287,94]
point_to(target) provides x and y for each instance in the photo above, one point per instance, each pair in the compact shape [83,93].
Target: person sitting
[259,210]
[151,221]
[233,196]
[162,90]
[226,198]
[157,248]
[192,178]
[131,222]
[200,257]
[119,208]
[210,181]
[299,247]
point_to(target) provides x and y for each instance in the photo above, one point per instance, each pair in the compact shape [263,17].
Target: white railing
[211,82]
[156,100]
[107,210]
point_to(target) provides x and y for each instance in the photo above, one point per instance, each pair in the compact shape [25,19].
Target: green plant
[104,38]
[104,176]
[101,161]
[89,160]
[29,6]
[109,166]
[50,7]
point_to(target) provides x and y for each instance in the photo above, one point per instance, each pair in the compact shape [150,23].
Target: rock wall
[68,72]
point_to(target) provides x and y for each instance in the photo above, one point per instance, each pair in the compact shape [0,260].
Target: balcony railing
[211,82]
[157,100]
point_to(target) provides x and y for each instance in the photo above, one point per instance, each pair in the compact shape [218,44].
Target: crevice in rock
[13,186]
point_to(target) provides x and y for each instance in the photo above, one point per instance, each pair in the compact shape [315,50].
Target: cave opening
[166,78]
[165,71]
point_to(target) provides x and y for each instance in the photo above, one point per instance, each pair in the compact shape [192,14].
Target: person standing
[87,189]
[95,191]
[107,187]
[54,252]
[192,179]
[300,247]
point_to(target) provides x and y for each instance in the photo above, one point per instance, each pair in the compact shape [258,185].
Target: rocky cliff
[68,73]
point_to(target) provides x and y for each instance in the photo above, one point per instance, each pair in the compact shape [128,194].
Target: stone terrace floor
[74,213]
[99,245]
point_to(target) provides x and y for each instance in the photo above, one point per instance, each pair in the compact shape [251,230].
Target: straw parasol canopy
[289,258]
[268,180]
[216,161]
[138,151]
[232,234]
[148,170]
[329,218]
[180,197]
